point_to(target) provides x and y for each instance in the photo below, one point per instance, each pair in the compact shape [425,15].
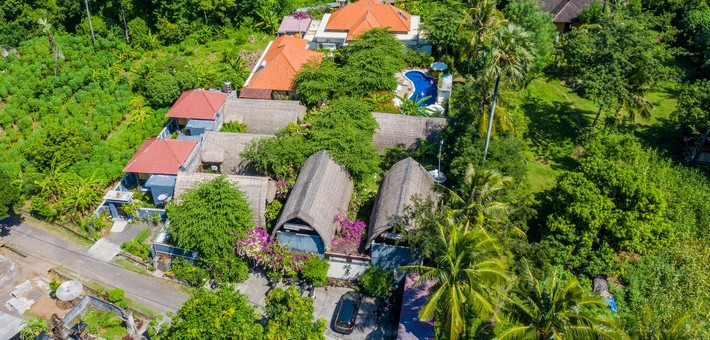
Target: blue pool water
[423,86]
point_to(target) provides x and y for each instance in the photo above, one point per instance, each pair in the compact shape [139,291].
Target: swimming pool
[423,86]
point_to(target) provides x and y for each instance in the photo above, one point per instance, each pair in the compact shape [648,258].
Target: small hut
[322,190]
[406,131]
[258,190]
[221,151]
[262,116]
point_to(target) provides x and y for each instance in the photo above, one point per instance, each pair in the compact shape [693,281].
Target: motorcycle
[272,285]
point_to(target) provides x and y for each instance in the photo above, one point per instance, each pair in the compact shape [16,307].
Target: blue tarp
[612,304]
[198,126]
[160,184]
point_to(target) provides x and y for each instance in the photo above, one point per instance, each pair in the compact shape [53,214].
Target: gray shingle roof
[258,190]
[262,116]
[322,190]
[224,148]
[404,181]
[409,131]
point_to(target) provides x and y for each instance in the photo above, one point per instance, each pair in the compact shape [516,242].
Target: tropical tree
[467,270]
[693,112]
[269,17]
[47,29]
[479,199]
[91,26]
[510,53]
[556,309]
[480,21]
[414,107]
[33,328]
[125,25]
[291,316]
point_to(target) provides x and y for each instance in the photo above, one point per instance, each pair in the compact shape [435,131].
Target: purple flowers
[282,187]
[349,232]
[275,256]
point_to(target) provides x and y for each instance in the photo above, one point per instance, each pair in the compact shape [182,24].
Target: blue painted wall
[301,242]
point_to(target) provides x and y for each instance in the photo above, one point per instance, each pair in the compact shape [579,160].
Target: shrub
[136,248]
[233,127]
[162,90]
[33,328]
[375,281]
[117,296]
[315,270]
[192,275]
[53,285]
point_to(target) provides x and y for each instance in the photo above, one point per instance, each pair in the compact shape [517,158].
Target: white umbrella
[69,290]
[439,66]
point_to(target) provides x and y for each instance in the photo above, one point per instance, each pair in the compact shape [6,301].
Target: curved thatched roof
[262,116]
[322,190]
[258,190]
[224,148]
[409,131]
[405,180]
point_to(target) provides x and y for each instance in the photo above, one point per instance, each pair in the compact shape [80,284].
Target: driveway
[324,307]
[155,293]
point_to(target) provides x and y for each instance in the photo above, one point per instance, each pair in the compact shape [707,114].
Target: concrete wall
[193,160]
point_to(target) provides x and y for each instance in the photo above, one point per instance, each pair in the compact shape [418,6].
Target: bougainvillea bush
[348,232]
[276,257]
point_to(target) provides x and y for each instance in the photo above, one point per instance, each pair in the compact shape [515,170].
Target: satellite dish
[162,197]
[69,290]
[438,176]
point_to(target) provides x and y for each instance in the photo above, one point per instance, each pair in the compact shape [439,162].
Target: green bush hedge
[315,270]
[375,281]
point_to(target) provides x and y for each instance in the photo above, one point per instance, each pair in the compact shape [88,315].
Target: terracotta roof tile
[160,156]
[375,13]
[283,59]
[197,104]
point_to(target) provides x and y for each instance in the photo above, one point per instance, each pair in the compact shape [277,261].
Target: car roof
[346,311]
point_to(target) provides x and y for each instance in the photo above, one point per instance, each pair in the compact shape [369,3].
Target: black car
[346,315]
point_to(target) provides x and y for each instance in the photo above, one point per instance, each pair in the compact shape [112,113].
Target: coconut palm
[47,29]
[556,309]
[478,202]
[125,26]
[481,20]
[510,54]
[91,26]
[414,107]
[466,271]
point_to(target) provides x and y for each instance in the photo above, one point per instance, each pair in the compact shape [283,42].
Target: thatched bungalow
[406,180]
[405,131]
[322,190]
[258,190]
[220,151]
[262,116]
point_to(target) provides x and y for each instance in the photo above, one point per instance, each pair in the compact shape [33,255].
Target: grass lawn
[131,266]
[556,113]
[104,324]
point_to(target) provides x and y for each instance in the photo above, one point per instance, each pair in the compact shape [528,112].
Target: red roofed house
[197,111]
[272,77]
[157,162]
[345,24]
[565,12]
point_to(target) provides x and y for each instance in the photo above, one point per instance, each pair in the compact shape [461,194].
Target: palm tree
[557,309]
[479,202]
[91,27]
[482,19]
[466,273]
[269,19]
[47,29]
[510,54]
[125,26]
[414,107]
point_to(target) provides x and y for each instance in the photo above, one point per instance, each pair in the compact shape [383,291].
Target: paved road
[155,293]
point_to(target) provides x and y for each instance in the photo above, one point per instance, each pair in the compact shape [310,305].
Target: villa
[337,29]
[272,76]
[197,111]
[565,12]
[396,130]
[221,151]
[262,116]
[158,161]
[322,190]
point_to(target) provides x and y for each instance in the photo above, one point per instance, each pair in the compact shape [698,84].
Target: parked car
[346,316]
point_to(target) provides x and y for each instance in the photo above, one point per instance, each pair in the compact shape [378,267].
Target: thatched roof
[262,116]
[409,131]
[322,190]
[258,190]
[224,148]
[404,181]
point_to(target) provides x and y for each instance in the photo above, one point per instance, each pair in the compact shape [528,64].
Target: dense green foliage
[376,281]
[344,127]
[192,275]
[117,296]
[291,316]
[220,314]
[315,270]
[693,110]
[137,246]
[209,219]
[33,328]
[233,127]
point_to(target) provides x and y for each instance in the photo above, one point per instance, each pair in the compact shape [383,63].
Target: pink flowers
[275,256]
[282,187]
[349,232]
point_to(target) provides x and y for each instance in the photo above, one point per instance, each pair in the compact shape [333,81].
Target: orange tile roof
[360,16]
[160,156]
[197,104]
[284,59]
